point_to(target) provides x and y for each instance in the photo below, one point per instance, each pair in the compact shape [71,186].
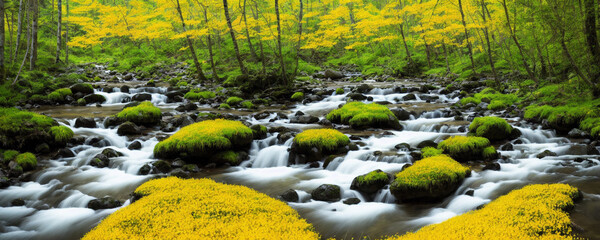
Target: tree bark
[19,30]
[235,45]
[67,35]
[299,43]
[487,39]
[34,34]
[514,37]
[252,52]
[591,38]
[58,31]
[260,44]
[2,36]
[210,44]
[462,14]
[201,76]
[283,72]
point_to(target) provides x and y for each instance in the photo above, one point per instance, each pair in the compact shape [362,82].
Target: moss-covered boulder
[94,98]
[298,96]
[234,101]
[83,88]
[360,115]
[492,128]
[429,179]
[143,114]
[60,95]
[23,130]
[203,139]
[61,134]
[431,152]
[465,149]
[371,182]
[172,208]
[327,193]
[314,144]
[533,212]
[27,161]
[196,95]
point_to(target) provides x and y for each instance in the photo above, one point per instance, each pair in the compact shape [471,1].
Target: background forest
[530,41]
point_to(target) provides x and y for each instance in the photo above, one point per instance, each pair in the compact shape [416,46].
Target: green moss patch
[234,101]
[429,179]
[591,125]
[62,134]
[26,160]
[205,138]
[431,152]
[196,95]
[464,148]
[561,118]
[10,155]
[143,114]
[247,104]
[468,100]
[492,128]
[60,94]
[339,91]
[297,96]
[361,115]
[224,106]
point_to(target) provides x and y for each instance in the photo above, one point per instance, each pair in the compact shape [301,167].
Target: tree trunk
[260,44]
[487,39]
[201,76]
[34,34]
[283,72]
[404,38]
[235,45]
[215,77]
[447,61]
[299,43]
[462,14]
[252,52]
[514,37]
[19,30]
[591,38]
[67,35]
[2,35]
[58,31]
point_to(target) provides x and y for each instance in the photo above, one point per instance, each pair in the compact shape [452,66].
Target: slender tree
[591,37]
[514,37]
[464,23]
[235,44]
[199,71]
[487,40]
[2,36]
[67,35]
[34,34]
[250,46]
[283,72]
[299,42]
[19,30]
[58,31]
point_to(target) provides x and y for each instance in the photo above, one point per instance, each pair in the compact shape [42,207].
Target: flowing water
[57,196]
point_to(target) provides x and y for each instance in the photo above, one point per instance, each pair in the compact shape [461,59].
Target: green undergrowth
[322,139]
[10,155]
[196,95]
[17,122]
[358,115]
[60,94]
[143,114]
[492,128]
[234,101]
[497,101]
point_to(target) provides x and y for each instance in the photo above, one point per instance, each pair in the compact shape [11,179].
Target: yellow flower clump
[324,139]
[533,212]
[430,172]
[202,209]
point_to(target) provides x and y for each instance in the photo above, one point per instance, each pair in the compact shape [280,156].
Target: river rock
[82,122]
[401,114]
[577,133]
[180,173]
[81,88]
[333,75]
[356,96]
[507,147]
[140,97]
[290,196]
[409,97]
[128,77]
[162,166]
[100,161]
[351,201]
[128,128]
[546,153]
[124,89]
[135,145]
[104,203]
[111,153]
[427,143]
[64,153]
[491,166]
[327,192]
[191,168]
[363,88]
[17,202]
[369,187]
[304,119]
[94,98]
[186,107]
[145,170]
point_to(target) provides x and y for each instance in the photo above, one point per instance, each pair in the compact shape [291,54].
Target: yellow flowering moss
[358,115]
[204,138]
[323,139]
[202,209]
[533,212]
[430,178]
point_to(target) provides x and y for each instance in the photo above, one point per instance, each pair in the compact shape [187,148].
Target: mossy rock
[360,115]
[27,161]
[429,179]
[464,148]
[10,155]
[94,98]
[492,128]
[259,131]
[23,130]
[61,134]
[468,100]
[196,95]
[314,144]
[173,208]
[431,152]
[59,95]
[229,157]
[247,105]
[205,138]
[84,88]
[234,101]
[339,91]
[297,96]
[371,182]
[143,114]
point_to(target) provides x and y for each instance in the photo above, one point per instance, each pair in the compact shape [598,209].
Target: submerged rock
[371,182]
[327,192]
[104,203]
[82,122]
[290,196]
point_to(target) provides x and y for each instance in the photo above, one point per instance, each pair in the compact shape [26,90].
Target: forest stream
[56,197]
